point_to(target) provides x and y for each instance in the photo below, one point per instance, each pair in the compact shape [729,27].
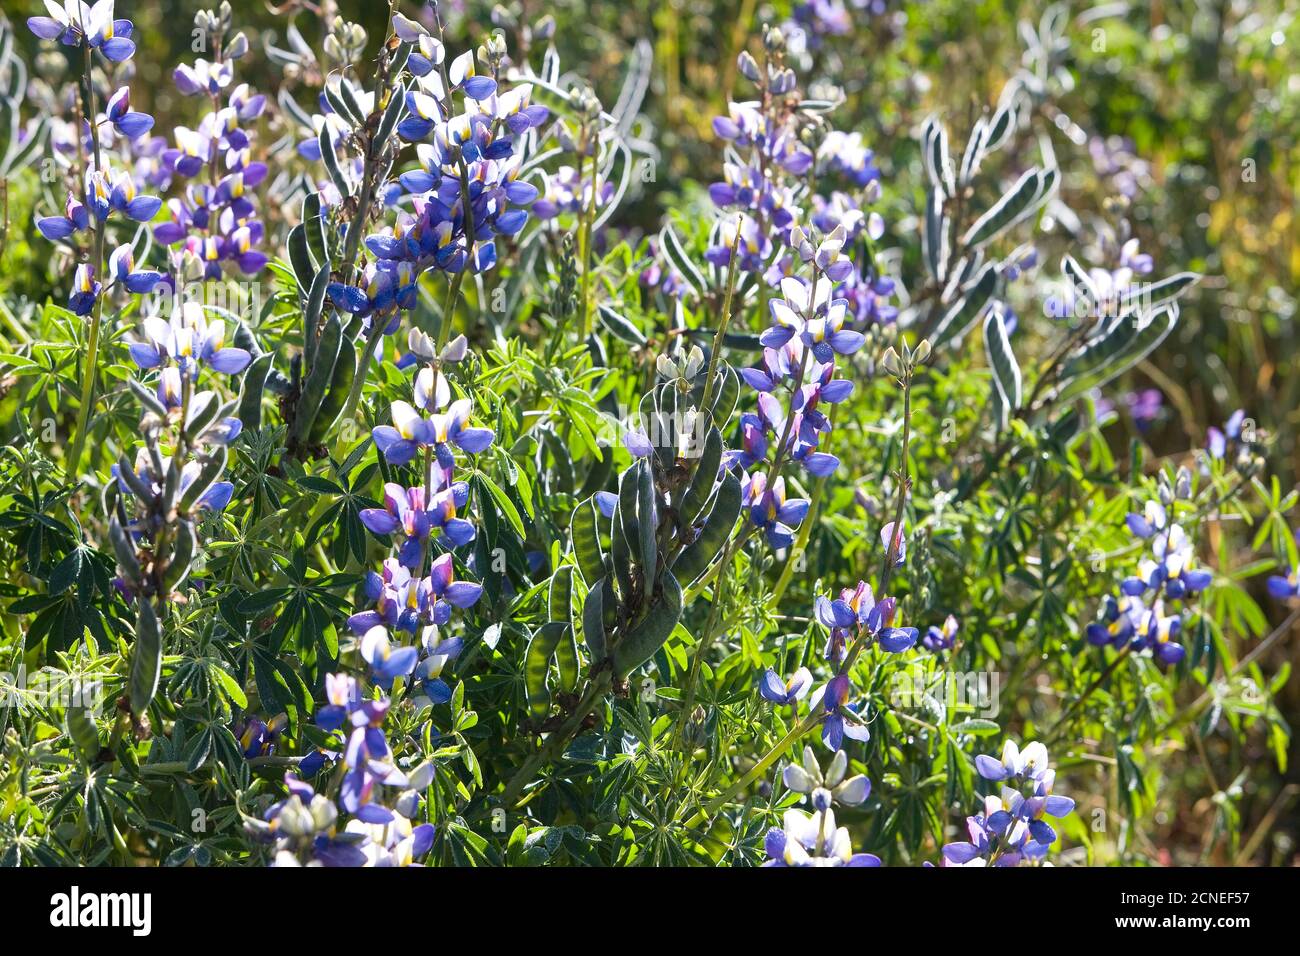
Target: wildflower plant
[617,461]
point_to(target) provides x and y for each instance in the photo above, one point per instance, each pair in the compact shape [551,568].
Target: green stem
[359,380]
[1078,702]
[588,213]
[556,742]
[90,370]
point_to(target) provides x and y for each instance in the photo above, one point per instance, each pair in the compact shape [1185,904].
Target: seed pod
[250,402]
[537,665]
[626,537]
[586,542]
[203,411]
[311,313]
[345,371]
[645,506]
[146,661]
[182,556]
[593,620]
[722,518]
[318,378]
[82,729]
[567,662]
[313,222]
[648,635]
[304,270]
[706,473]
[122,547]
[560,593]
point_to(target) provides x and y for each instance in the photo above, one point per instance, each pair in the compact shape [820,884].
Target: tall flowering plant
[615,412]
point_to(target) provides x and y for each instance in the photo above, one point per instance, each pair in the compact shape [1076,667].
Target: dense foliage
[652,434]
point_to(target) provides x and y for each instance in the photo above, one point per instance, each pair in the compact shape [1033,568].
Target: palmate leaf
[1125,342]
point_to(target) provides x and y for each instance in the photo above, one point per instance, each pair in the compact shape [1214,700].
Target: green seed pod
[560,593]
[593,620]
[537,665]
[647,636]
[726,392]
[586,542]
[645,506]
[345,370]
[304,270]
[82,729]
[314,222]
[126,559]
[692,562]
[250,402]
[146,661]
[701,486]
[626,537]
[567,662]
[182,556]
[318,378]
[311,312]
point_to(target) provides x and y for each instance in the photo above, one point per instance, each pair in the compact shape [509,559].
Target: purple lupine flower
[77,22]
[1218,440]
[1011,828]
[129,123]
[74,219]
[785,691]
[996,839]
[1030,763]
[404,511]
[387,662]
[769,510]
[1172,566]
[437,655]
[306,820]
[121,267]
[857,613]
[1285,587]
[838,720]
[447,593]
[830,787]
[257,738]
[124,199]
[411,432]
[818,320]
[85,289]
[188,340]
[941,638]
[1119,621]
[813,840]
[386,594]
[1156,631]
